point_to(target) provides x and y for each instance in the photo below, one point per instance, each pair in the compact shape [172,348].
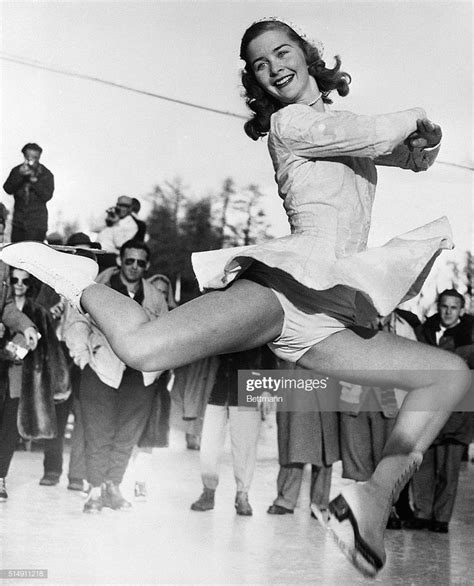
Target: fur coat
[45,373]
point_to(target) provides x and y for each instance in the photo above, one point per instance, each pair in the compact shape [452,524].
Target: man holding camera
[120,225]
[32,186]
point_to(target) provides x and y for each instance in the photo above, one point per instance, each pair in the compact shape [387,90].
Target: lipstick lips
[284,81]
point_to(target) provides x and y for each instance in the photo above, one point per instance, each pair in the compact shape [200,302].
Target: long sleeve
[44,186]
[311,134]
[124,230]
[404,158]
[14,181]
[111,238]
[14,319]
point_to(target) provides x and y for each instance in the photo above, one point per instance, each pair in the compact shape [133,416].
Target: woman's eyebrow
[274,51]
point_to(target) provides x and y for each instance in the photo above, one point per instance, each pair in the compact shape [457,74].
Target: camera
[113,211]
[112,216]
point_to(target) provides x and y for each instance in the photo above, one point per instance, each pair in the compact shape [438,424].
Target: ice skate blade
[343,527]
[343,535]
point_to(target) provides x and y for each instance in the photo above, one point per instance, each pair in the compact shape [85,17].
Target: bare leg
[245,315]
[385,359]
[358,516]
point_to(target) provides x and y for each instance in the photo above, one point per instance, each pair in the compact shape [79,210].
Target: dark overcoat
[45,375]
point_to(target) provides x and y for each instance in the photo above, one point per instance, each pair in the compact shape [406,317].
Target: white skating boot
[67,274]
[358,516]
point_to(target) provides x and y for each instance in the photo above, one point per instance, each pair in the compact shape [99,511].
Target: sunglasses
[129,262]
[25,281]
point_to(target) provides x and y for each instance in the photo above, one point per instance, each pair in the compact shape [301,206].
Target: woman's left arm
[419,151]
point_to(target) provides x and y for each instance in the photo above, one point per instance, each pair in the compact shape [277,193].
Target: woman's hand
[31,337]
[427,135]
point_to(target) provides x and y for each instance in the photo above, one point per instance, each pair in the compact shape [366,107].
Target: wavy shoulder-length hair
[260,102]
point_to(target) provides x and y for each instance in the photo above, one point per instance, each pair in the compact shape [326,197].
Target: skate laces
[66,287]
[62,285]
[404,477]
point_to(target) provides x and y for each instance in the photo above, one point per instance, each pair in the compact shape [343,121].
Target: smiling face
[134,263]
[20,281]
[280,67]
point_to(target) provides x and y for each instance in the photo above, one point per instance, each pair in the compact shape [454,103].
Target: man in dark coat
[309,436]
[32,186]
[435,484]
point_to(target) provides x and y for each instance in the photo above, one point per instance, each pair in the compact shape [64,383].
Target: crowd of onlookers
[57,366]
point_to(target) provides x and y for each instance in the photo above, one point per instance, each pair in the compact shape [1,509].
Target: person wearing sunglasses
[13,321]
[34,378]
[116,400]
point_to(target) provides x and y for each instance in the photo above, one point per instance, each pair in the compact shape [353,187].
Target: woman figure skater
[307,294]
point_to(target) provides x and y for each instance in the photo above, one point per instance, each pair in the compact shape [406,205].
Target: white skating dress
[325,167]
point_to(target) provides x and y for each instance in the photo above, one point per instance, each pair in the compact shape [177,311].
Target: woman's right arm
[312,134]
[14,319]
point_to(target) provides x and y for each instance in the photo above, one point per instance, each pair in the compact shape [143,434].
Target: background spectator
[77,459]
[306,437]
[155,435]
[15,320]
[120,225]
[435,484]
[191,386]
[244,423]
[115,399]
[32,186]
[163,284]
[34,378]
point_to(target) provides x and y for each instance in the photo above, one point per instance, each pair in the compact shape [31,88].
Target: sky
[102,142]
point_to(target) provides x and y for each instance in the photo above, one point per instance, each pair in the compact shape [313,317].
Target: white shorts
[310,316]
[301,331]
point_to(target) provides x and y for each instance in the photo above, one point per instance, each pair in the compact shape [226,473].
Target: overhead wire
[61,71]
[459,165]
[38,65]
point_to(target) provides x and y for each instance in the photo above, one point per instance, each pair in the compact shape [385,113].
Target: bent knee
[455,371]
[138,356]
